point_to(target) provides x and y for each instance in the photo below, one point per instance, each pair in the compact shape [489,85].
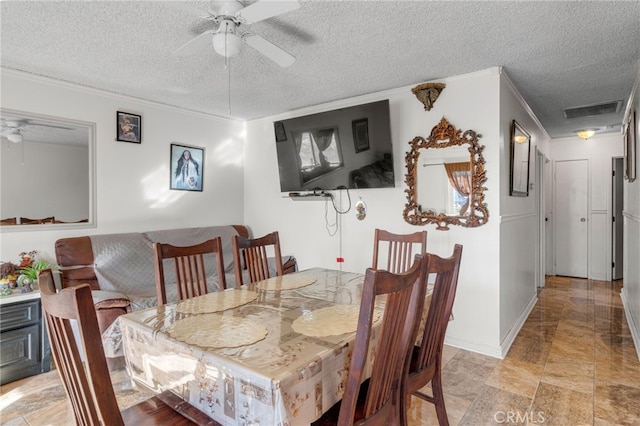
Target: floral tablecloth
[279,377]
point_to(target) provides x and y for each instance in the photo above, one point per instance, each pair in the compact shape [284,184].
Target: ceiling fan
[13,129]
[228,38]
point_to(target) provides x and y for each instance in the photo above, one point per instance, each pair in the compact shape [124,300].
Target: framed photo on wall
[281,134]
[360,134]
[187,167]
[129,127]
[630,147]
[520,147]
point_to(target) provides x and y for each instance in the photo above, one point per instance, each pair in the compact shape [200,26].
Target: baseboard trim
[635,330]
[513,333]
[489,350]
[492,350]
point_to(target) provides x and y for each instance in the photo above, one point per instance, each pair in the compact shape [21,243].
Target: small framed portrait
[281,134]
[360,134]
[129,127]
[187,167]
[630,148]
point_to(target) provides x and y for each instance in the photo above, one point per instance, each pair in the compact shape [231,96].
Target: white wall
[68,164]
[133,179]
[598,151]
[469,102]
[518,219]
[631,214]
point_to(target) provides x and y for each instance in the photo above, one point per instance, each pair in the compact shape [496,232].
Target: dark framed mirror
[445,178]
[520,143]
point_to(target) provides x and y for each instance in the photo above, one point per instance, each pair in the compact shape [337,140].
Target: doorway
[571,218]
[541,261]
[617,235]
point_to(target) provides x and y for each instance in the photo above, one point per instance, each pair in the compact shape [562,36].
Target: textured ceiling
[558,54]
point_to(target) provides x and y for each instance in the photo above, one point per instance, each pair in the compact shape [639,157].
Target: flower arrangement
[21,276]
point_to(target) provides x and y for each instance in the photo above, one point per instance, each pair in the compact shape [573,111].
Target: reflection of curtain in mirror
[297,140]
[323,139]
[459,175]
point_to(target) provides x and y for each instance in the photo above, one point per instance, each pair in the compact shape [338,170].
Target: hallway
[573,363]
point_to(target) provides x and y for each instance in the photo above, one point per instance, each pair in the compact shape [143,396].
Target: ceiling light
[586,134]
[520,138]
[226,42]
[15,137]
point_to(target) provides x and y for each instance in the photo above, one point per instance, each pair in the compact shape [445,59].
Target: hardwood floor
[573,363]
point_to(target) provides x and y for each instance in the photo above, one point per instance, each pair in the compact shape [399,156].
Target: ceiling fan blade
[187,7]
[269,50]
[195,45]
[264,9]
[50,126]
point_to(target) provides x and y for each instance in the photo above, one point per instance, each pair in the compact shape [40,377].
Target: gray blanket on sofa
[124,262]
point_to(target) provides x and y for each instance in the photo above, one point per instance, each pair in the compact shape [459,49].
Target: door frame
[541,161]
[619,175]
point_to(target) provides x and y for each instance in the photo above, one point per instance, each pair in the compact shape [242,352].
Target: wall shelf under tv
[299,196]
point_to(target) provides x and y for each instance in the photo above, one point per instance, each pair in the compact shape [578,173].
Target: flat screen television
[343,148]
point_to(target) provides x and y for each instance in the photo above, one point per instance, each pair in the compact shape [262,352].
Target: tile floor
[573,363]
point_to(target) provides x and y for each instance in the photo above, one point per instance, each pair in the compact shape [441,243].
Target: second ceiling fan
[228,38]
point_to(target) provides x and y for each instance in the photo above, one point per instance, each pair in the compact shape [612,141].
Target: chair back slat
[405,293]
[400,249]
[253,255]
[190,268]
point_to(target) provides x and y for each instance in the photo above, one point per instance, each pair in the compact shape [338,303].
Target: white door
[571,220]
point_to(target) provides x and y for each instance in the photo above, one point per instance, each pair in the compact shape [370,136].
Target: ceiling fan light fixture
[15,137]
[227,43]
[586,133]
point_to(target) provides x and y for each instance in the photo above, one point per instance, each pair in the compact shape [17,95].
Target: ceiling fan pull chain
[229,89]
[227,65]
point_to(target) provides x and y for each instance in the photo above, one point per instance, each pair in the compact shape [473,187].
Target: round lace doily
[286,282]
[217,331]
[216,302]
[330,321]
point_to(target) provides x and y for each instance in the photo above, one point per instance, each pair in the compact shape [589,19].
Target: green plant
[32,270]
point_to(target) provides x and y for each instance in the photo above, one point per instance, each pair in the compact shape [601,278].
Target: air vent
[595,109]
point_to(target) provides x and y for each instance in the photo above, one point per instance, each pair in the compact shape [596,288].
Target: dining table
[274,352]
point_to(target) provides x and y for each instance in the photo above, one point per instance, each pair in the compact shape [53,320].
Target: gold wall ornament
[427,93]
[445,135]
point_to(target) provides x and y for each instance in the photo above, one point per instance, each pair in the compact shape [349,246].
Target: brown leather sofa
[99,260]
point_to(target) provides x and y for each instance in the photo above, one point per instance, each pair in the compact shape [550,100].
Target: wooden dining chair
[253,255]
[9,221]
[42,221]
[190,269]
[88,385]
[400,249]
[426,359]
[379,400]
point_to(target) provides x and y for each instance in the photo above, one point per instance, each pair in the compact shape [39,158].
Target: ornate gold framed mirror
[445,178]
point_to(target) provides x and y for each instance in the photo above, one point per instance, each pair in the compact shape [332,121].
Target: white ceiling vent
[595,109]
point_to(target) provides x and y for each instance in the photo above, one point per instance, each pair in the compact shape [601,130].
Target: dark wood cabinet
[24,346]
